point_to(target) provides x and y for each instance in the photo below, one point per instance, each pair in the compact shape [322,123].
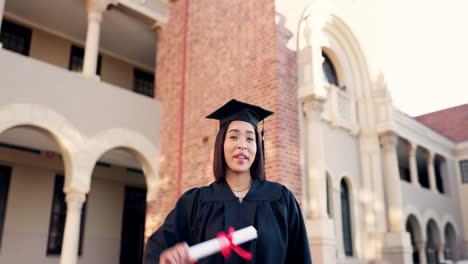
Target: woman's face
[240,146]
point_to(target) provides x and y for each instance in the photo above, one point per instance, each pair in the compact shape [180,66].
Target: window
[76,60]
[346,219]
[57,220]
[143,82]
[464,170]
[329,72]
[329,195]
[15,37]
[5,174]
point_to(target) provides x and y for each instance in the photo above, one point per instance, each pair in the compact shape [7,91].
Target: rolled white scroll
[213,246]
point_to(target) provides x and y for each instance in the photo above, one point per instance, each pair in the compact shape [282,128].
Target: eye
[250,139]
[233,137]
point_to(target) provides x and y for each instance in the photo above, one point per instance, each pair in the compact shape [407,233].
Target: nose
[242,144]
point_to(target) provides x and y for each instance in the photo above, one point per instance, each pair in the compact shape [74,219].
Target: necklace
[241,190]
[240,194]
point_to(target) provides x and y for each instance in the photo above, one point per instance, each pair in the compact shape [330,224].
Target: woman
[239,197]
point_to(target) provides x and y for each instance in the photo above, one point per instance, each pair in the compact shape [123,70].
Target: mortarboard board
[237,110]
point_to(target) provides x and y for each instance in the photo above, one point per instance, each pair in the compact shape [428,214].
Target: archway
[34,164]
[123,171]
[450,249]
[433,242]
[414,229]
[116,209]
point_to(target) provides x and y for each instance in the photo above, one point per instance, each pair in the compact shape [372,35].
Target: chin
[240,170]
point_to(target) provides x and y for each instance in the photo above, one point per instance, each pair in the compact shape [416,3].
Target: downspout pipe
[182,98]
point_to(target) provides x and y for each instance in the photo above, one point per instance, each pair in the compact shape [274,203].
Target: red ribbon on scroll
[225,242]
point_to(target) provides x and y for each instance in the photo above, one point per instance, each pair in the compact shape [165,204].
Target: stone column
[421,246]
[440,249]
[412,163]
[397,246]
[71,235]
[95,9]
[320,227]
[431,171]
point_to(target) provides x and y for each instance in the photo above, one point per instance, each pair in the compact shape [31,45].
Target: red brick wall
[234,50]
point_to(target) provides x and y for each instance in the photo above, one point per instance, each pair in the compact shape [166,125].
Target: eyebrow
[237,130]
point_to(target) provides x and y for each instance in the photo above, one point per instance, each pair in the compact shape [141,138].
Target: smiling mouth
[241,157]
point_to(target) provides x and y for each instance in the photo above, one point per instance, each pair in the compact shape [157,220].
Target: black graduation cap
[237,110]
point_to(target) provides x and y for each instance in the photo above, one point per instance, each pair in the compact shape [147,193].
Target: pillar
[397,245]
[413,163]
[95,8]
[320,227]
[440,252]
[431,171]
[71,235]
[421,246]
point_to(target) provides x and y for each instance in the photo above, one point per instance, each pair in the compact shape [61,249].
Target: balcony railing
[340,109]
[90,105]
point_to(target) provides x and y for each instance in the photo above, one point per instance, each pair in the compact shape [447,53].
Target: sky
[426,54]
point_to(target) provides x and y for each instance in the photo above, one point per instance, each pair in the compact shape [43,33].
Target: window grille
[143,82]
[464,171]
[15,37]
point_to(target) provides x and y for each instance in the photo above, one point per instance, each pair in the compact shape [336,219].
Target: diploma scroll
[213,246]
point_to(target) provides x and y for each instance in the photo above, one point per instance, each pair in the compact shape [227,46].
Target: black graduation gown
[201,213]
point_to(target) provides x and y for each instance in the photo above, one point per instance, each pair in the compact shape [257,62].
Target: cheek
[253,149]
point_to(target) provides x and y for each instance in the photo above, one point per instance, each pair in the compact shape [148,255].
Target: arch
[342,40]
[428,215]
[434,240]
[48,122]
[450,245]
[449,219]
[80,153]
[134,143]
[414,222]
[334,27]
[411,211]
[414,229]
[339,42]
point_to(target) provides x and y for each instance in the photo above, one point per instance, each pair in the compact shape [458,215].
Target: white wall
[342,160]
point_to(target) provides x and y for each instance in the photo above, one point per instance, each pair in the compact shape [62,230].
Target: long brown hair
[257,170]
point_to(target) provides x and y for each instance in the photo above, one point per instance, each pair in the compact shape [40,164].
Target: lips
[241,156]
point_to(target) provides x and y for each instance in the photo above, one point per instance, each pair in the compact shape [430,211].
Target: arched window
[329,72]
[329,195]
[346,219]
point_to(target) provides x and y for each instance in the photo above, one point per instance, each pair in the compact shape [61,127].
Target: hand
[178,254]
